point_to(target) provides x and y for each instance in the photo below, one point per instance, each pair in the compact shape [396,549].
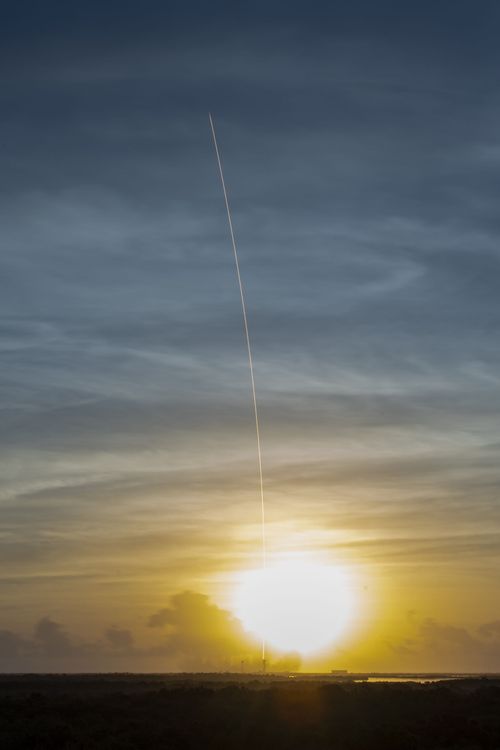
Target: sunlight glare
[295,605]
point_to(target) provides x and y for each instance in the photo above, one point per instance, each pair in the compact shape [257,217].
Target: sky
[361,150]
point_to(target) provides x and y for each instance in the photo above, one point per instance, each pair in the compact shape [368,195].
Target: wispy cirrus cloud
[362,175]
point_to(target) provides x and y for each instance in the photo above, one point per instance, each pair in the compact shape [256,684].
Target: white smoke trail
[250,359]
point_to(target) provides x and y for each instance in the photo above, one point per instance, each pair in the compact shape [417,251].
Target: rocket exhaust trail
[250,361]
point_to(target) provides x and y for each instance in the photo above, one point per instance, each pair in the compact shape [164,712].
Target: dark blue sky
[362,152]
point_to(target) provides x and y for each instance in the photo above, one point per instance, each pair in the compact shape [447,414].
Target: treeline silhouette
[134,713]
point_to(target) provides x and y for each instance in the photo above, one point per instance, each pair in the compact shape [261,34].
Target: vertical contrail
[250,361]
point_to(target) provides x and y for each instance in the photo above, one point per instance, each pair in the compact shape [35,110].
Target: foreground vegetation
[131,713]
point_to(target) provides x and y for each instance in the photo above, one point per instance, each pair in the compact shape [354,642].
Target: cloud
[50,648]
[12,646]
[159,619]
[198,636]
[440,646]
[404,648]
[436,634]
[490,629]
[201,636]
[363,182]
[120,638]
[51,636]
[194,634]
[204,637]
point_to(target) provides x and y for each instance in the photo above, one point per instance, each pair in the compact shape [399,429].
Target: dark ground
[158,711]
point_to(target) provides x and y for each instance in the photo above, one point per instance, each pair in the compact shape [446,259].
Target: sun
[295,605]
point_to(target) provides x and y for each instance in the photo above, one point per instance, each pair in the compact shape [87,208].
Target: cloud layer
[361,152]
[197,636]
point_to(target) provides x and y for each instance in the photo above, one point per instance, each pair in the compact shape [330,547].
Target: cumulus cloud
[12,646]
[202,636]
[120,638]
[196,635]
[490,629]
[52,638]
[450,647]
[49,648]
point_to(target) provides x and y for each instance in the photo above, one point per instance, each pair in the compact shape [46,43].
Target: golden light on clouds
[295,605]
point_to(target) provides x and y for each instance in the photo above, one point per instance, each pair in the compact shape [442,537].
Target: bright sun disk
[295,605]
